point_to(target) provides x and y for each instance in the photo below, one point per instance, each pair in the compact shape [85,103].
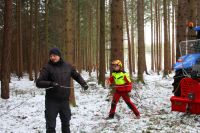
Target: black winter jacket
[59,72]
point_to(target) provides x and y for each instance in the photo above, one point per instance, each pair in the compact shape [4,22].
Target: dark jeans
[52,108]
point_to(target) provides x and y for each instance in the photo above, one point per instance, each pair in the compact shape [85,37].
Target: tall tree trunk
[102,66]
[46,28]
[155,36]
[36,41]
[108,33]
[173,35]
[6,55]
[159,37]
[141,46]
[181,27]
[97,39]
[169,35]
[78,39]
[70,42]
[117,51]
[129,43]
[152,46]
[89,37]
[19,40]
[30,68]
[133,35]
[166,43]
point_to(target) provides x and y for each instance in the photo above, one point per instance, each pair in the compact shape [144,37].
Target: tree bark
[102,67]
[19,40]
[133,16]
[173,35]
[117,50]
[36,40]
[6,55]
[30,68]
[141,46]
[129,43]
[152,46]
[181,25]
[70,42]
[166,43]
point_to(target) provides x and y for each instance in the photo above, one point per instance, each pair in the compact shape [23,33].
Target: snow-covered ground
[24,111]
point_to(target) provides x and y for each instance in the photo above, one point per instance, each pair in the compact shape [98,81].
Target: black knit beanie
[55,51]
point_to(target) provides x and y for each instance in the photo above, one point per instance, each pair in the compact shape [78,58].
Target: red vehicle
[188,98]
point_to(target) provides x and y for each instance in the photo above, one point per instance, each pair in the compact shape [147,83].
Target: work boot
[111,116]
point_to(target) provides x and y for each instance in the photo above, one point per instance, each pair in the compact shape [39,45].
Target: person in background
[122,87]
[55,76]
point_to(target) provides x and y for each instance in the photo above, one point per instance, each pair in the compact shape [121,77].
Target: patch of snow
[24,111]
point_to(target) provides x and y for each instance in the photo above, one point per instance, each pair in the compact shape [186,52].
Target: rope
[60,86]
[26,100]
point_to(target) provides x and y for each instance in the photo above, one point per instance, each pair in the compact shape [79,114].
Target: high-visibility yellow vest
[119,77]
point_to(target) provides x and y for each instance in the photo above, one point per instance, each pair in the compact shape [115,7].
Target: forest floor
[24,111]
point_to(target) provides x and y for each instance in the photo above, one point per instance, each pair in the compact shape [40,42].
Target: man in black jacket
[56,75]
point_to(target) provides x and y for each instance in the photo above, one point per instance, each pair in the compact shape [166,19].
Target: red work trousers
[126,98]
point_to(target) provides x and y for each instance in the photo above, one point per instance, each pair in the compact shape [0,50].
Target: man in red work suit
[122,87]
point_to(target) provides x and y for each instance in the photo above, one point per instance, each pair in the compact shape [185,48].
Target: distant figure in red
[123,86]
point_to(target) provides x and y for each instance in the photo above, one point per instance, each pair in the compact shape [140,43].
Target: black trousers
[52,109]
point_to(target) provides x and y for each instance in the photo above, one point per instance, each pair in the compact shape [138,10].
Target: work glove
[85,87]
[55,85]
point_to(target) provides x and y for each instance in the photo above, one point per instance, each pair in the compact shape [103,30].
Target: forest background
[91,33]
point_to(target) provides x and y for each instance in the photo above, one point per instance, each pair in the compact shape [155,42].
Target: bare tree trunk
[152,46]
[169,35]
[6,55]
[141,46]
[129,43]
[30,65]
[102,66]
[36,41]
[70,42]
[108,33]
[98,37]
[19,40]
[117,50]
[46,28]
[180,25]
[133,35]
[159,37]
[155,36]
[173,35]
[166,43]
[89,39]
[78,45]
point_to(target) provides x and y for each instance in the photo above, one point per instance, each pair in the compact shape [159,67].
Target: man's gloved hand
[55,85]
[85,87]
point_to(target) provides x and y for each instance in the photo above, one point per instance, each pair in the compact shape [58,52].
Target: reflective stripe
[127,76]
[119,77]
